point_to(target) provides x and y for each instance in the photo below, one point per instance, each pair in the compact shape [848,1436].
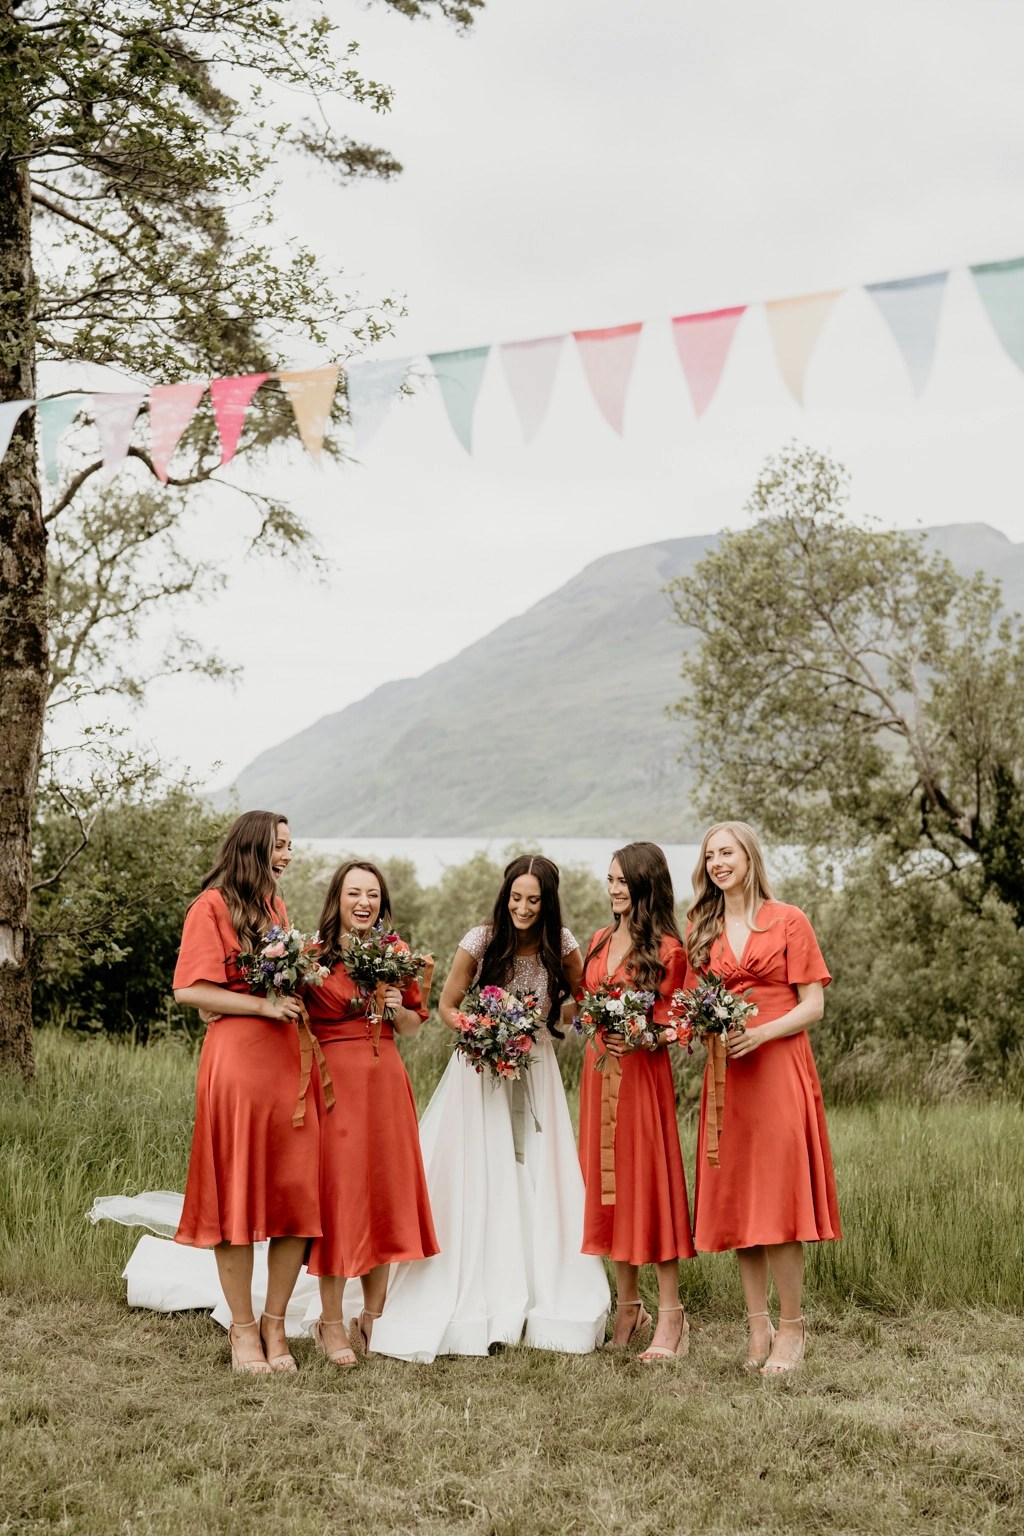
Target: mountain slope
[552,725]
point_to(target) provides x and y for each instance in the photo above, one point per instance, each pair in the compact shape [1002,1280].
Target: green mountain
[553,725]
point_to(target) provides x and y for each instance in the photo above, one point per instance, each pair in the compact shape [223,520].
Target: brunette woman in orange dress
[774,1188]
[644,1218]
[252,1174]
[373,1193]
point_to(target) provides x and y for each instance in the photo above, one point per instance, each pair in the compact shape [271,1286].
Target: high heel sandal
[776,1367]
[643,1322]
[343,1357]
[658,1352]
[755,1362]
[281,1364]
[358,1336]
[246,1367]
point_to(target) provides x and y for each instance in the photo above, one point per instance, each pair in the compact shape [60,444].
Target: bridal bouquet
[285,960]
[709,1009]
[497,1030]
[376,960]
[618,1013]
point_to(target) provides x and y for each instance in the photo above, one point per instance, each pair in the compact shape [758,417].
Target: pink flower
[275,951]
[524,1043]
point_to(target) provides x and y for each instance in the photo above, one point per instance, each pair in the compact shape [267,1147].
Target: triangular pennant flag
[795,324]
[1001,285]
[171,408]
[312,395]
[9,413]
[114,415]
[53,416]
[530,368]
[703,343]
[911,307]
[371,387]
[230,399]
[460,375]
[608,358]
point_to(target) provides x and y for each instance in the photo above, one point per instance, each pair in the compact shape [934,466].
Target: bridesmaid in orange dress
[373,1191]
[252,1174]
[645,1218]
[774,1188]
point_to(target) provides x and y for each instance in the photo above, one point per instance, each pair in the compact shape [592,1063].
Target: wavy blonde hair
[706,914]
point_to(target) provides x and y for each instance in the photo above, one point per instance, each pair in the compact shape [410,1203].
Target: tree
[848,685]
[138,145]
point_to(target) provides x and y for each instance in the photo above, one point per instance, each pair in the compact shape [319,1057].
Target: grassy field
[906,1416]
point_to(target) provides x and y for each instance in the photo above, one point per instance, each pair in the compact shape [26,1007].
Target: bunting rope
[910,306]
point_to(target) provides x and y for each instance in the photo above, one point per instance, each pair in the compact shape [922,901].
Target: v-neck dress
[649,1222]
[775,1182]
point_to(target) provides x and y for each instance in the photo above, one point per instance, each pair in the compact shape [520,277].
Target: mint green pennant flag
[1001,286]
[53,417]
[460,375]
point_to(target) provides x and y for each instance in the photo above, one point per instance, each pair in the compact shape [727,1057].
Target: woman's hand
[393,1000]
[740,1042]
[285,1009]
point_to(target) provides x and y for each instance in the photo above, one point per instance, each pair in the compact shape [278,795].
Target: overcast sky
[584,163]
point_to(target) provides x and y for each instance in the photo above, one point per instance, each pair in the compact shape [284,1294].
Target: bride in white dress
[502,1169]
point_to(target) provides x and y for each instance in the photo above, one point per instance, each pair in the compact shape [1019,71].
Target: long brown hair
[652,918]
[244,875]
[707,911]
[330,918]
[499,957]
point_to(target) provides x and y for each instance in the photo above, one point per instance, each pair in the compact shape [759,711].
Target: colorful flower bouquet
[497,1030]
[618,1013]
[376,960]
[709,1009]
[285,960]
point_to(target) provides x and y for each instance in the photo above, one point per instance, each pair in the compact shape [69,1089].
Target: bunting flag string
[910,306]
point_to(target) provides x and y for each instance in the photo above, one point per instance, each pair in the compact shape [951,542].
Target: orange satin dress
[775,1182]
[251,1175]
[649,1222]
[373,1191]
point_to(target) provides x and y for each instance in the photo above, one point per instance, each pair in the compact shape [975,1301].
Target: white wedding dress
[510,1266]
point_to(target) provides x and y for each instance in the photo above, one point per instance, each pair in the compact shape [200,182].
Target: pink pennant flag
[312,395]
[703,343]
[230,399]
[114,415]
[530,368]
[795,326]
[608,358]
[171,408]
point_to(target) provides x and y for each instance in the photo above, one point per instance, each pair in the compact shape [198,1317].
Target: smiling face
[282,854]
[524,902]
[359,901]
[618,891]
[725,861]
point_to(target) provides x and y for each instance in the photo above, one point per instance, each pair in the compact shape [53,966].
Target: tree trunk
[23,646]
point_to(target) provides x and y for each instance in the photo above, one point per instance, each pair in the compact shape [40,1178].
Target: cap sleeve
[476,941]
[569,942]
[208,942]
[804,960]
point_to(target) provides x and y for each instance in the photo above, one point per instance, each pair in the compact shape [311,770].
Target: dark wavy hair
[330,917]
[244,875]
[646,873]
[499,957]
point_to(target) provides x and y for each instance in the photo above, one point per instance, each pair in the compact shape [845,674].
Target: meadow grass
[905,1417]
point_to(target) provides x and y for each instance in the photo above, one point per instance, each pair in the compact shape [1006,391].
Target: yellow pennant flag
[795,325]
[311,394]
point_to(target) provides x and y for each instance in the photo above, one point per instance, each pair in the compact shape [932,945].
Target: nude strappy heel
[658,1353]
[282,1364]
[358,1336]
[777,1367]
[755,1362]
[643,1322]
[246,1367]
[344,1357]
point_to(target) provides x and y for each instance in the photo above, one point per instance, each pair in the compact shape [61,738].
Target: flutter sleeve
[412,998]
[673,958]
[804,960]
[206,943]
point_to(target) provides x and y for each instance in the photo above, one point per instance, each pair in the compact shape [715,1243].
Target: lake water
[433,855]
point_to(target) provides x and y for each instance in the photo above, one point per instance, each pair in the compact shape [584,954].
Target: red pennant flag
[171,408]
[608,358]
[703,343]
[230,399]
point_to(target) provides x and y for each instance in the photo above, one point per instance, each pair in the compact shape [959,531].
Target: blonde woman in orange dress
[774,1187]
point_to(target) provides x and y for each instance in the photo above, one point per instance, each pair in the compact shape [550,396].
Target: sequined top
[528,974]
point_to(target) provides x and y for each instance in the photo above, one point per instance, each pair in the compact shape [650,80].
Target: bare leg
[753,1264]
[786,1261]
[284,1261]
[671,1318]
[375,1290]
[627,1303]
[234,1271]
[332,1330]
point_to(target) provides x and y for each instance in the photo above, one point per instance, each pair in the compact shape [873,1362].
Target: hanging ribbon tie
[611,1080]
[714,1077]
[310,1051]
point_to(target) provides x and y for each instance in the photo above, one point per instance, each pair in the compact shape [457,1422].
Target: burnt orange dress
[252,1174]
[649,1221]
[373,1191]
[775,1182]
